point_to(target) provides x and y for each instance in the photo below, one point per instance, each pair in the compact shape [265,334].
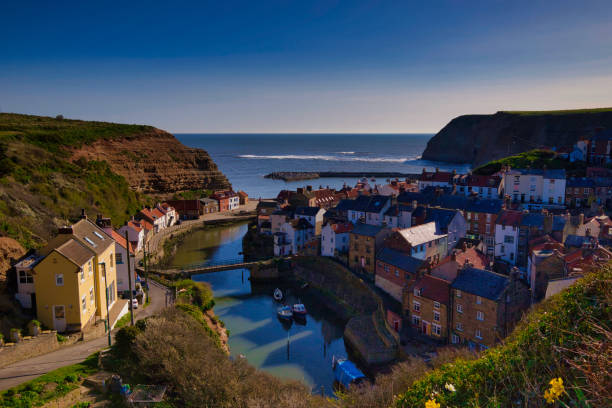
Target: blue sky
[302,66]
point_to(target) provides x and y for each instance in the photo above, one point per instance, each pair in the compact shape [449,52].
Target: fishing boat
[285,313]
[346,372]
[299,309]
[278,295]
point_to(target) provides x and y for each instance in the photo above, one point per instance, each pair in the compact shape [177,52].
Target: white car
[134,303]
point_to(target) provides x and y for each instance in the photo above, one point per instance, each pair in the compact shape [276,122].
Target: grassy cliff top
[558,112]
[535,159]
[54,133]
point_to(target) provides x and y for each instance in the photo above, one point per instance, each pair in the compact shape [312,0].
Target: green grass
[54,134]
[50,386]
[535,159]
[566,337]
[559,112]
[124,321]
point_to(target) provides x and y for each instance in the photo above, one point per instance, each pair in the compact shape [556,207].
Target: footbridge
[209,267]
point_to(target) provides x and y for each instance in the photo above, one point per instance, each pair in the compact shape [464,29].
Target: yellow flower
[432,404]
[555,390]
[450,387]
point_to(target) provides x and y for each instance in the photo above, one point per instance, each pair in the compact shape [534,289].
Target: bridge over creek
[260,269]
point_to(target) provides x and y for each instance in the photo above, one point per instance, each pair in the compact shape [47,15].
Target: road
[29,369]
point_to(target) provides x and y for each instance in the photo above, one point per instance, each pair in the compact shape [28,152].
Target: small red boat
[299,309]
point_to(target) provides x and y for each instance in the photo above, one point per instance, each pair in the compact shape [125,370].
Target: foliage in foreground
[568,337]
[49,386]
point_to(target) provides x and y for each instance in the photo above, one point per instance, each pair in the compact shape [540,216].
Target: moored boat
[278,295]
[285,312]
[299,309]
[346,372]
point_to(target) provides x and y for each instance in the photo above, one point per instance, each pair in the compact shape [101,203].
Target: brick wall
[28,347]
[470,322]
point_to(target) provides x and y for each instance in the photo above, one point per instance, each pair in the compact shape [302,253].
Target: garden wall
[28,347]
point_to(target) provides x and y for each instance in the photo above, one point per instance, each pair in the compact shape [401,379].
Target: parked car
[134,303]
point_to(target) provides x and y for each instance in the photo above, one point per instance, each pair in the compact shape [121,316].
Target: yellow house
[70,281]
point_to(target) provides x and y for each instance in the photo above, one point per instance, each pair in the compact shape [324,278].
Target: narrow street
[29,369]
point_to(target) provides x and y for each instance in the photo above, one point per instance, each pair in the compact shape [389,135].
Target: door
[59,318]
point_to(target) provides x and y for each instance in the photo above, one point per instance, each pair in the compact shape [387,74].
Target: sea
[246,158]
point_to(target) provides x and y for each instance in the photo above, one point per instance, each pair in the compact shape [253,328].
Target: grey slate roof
[456,202]
[442,217]
[366,230]
[548,173]
[479,282]
[577,241]
[399,259]
[532,220]
[580,182]
[308,211]
[558,223]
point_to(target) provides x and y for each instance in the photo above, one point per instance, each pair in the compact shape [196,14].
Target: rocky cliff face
[478,139]
[155,162]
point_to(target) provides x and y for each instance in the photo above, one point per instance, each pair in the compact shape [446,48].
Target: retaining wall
[28,347]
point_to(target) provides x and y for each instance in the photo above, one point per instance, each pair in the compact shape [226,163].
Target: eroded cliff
[478,139]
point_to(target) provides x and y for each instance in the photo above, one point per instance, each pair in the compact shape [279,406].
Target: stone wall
[28,347]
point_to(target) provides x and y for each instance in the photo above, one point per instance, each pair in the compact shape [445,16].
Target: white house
[136,234]
[25,280]
[234,201]
[436,179]
[370,209]
[169,213]
[121,261]
[507,229]
[425,242]
[536,188]
[314,215]
[293,236]
[398,216]
[335,238]
[450,222]
[155,217]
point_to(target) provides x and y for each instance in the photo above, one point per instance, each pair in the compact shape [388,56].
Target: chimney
[414,204]
[300,190]
[453,255]
[437,169]
[83,215]
[309,188]
[581,219]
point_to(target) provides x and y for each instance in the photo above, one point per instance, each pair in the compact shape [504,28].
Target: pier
[308,175]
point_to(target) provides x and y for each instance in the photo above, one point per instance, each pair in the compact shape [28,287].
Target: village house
[325,198]
[187,209]
[293,237]
[72,279]
[24,270]
[532,225]
[436,179]
[481,186]
[507,228]
[368,209]
[536,188]
[546,261]
[228,200]
[124,253]
[264,209]
[335,240]
[580,150]
[136,234]
[579,192]
[450,222]
[421,241]
[427,305]
[208,205]
[398,216]
[485,306]
[154,217]
[395,270]
[243,198]
[364,242]
[169,213]
[463,255]
[314,215]
[600,148]
[278,218]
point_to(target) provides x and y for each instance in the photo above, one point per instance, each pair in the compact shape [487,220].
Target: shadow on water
[298,349]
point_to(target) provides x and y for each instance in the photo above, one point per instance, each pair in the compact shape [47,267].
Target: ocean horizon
[245,158]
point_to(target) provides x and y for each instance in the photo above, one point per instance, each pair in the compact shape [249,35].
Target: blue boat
[346,372]
[285,313]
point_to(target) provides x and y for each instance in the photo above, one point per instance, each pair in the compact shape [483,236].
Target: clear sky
[302,66]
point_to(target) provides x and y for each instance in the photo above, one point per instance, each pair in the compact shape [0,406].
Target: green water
[299,349]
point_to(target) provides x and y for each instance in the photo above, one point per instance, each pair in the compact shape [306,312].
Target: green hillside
[559,112]
[535,159]
[41,189]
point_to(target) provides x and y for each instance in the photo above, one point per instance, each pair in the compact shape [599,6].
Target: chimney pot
[83,215]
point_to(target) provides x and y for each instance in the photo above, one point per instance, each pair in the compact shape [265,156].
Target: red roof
[119,239]
[135,225]
[342,228]
[472,255]
[156,213]
[510,218]
[433,288]
[242,194]
[438,176]
[186,205]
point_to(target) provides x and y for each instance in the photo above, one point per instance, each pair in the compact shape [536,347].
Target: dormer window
[97,234]
[89,241]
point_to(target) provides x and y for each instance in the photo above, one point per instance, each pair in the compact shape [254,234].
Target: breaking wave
[327,158]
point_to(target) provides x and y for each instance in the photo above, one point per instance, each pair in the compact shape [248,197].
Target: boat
[346,372]
[278,295]
[285,313]
[299,309]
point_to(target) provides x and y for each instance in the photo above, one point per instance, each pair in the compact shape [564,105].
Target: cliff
[52,167]
[478,139]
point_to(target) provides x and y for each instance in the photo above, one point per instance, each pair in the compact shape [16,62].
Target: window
[478,334]
[25,277]
[437,316]
[397,273]
[119,258]
[489,215]
[459,308]
[459,326]
[437,305]
[458,293]
[386,268]
[416,320]
[84,303]
[97,234]
[91,296]
[89,267]
[480,315]
[436,329]
[488,228]
[112,293]
[416,306]
[478,300]
[90,242]
[455,339]
[82,273]
[59,279]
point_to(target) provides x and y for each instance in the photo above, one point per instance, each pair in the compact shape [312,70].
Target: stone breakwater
[308,175]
